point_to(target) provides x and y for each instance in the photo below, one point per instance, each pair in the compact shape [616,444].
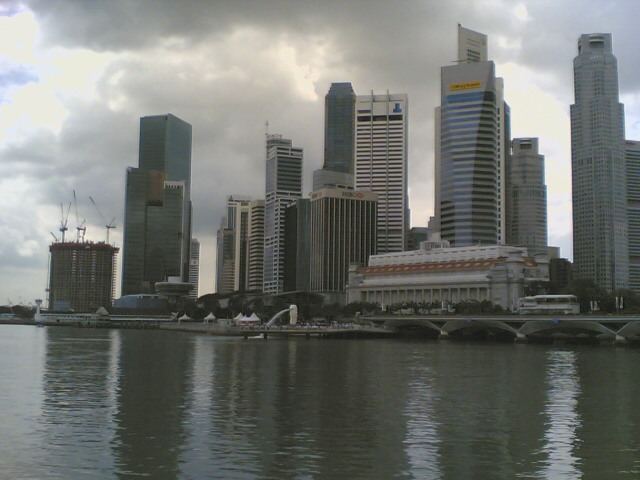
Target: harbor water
[109,404]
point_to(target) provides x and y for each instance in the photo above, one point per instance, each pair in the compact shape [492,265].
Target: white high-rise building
[241,245]
[381,164]
[255,245]
[283,186]
[598,172]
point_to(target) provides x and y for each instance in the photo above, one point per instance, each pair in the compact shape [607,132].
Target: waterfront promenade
[608,329]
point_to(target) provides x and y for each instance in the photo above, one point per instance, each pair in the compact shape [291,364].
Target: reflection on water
[563,420]
[77,426]
[423,439]
[122,404]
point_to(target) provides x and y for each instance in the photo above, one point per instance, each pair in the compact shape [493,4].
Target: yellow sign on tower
[464,86]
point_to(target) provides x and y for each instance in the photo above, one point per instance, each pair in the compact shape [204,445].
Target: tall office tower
[339,118]
[632,162]
[82,276]
[283,186]
[527,197]
[381,164]
[194,267]
[226,273]
[339,125]
[255,240]
[241,246]
[471,154]
[297,244]
[343,231]
[248,235]
[224,258]
[600,239]
[157,231]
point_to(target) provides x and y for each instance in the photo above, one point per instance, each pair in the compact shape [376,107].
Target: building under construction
[82,276]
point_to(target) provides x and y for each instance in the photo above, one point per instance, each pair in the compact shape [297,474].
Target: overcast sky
[76,76]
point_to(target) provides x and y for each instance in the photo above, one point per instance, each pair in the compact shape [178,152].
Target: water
[102,404]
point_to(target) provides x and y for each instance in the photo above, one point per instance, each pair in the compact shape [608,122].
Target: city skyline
[70,109]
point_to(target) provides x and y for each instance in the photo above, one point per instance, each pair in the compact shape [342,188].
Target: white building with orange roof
[437,273]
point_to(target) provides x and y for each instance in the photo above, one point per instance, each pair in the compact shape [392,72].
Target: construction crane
[109,225]
[54,237]
[81,228]
[63,220]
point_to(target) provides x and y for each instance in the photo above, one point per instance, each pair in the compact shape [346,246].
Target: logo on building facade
[464,86]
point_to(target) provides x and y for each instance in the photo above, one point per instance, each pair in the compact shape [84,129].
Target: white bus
[549,305]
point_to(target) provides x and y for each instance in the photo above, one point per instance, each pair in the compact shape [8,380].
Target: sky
[77,75]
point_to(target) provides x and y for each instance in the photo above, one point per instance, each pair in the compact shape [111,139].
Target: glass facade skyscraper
[339,128]
[468,155]
[472,130]
[339,131]
[157,231]
[598,172]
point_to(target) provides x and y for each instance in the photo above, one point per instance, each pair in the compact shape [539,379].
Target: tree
[587,291]
[631,300]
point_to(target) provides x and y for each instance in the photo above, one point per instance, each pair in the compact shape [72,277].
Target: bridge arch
[456,325]
[569,326]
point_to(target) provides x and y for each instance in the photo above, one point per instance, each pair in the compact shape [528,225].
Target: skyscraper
[194,267]
[255,240]
[632,162]
[600,239]
[527,197]
[339,125]
[472,135]
[224,258]
[381,164]
[226,273]
[343,232]
[283,186]
[157,232]
[248,239]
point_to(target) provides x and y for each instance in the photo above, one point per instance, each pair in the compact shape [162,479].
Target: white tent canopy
[244,320]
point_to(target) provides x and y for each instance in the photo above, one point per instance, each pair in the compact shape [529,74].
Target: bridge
[602,328]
